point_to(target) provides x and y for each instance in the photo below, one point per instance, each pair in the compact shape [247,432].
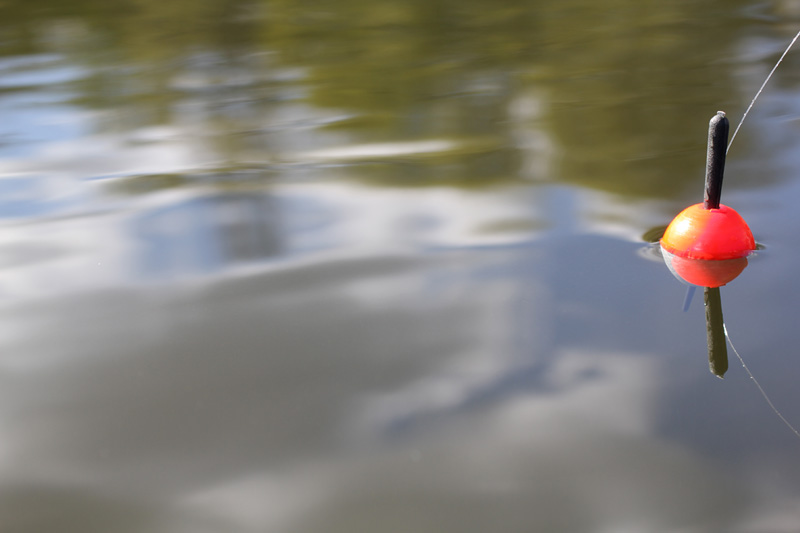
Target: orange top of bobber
[699,233]
[710,230]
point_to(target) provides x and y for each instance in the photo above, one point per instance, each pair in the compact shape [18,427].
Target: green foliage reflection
[612,95]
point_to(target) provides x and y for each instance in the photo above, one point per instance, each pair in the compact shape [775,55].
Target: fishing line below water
[753,101]
[758,385]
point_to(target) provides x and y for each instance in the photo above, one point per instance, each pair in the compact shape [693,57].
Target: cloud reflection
[580,459]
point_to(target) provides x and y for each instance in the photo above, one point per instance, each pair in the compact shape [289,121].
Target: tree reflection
[613,83]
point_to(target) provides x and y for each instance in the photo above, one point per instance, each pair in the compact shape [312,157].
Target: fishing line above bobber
[710,230]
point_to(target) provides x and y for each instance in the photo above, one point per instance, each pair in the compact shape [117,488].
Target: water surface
[272,266]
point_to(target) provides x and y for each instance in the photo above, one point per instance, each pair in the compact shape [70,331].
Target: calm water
[272,266]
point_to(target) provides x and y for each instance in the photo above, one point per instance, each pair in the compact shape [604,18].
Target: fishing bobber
[709,232]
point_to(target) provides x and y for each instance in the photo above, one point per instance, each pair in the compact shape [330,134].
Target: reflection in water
[710,274]
[206,234]
[715,328]
[27,197]
[391,289]
[704,272]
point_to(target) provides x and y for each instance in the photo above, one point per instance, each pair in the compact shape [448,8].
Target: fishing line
[771,72]
[724,327]
[758,385]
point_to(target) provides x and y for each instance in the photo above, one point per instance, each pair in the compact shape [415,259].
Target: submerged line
[753,101]
[758,385]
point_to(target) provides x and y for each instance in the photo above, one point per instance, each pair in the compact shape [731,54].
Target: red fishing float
[707,244]
[713,234]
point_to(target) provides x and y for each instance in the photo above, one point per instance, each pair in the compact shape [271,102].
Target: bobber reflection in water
[707,244]
[715,332]
[711,275]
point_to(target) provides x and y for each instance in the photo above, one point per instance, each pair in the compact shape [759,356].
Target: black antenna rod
[715,159]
